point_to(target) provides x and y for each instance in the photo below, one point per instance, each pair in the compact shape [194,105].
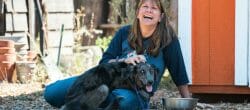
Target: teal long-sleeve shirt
[169,57]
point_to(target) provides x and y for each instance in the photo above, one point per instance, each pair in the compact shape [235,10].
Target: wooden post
[1,6]
[60,45]
[31,24]
[39,10]
[2,17]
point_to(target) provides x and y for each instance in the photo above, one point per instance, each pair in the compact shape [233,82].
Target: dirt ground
[30,97]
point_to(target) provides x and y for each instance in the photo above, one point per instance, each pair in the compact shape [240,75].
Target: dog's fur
[93,87]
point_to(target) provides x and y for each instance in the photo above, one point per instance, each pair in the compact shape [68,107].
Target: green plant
[82,30]
[40,74]
[103,42]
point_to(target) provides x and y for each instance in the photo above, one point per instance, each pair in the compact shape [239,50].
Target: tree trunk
[173,14]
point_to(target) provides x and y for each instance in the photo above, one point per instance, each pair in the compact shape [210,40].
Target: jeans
[55,94]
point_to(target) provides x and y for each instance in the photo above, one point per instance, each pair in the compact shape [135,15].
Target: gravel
[30,97]
[23,97]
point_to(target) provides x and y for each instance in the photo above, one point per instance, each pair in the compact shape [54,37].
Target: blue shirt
[169,57]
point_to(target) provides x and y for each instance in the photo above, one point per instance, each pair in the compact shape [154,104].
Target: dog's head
[144,76]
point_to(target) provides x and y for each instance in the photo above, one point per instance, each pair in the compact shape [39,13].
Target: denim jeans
[55,94]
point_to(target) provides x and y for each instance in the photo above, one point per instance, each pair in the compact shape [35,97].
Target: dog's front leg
[92,99]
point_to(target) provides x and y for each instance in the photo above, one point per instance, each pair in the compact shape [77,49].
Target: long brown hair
[160,38]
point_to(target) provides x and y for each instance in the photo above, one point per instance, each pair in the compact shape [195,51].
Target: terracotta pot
[31,55]
[8,57]
[7,50]
[7,71]
[7,43]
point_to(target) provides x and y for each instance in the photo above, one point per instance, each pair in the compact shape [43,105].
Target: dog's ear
[155,71]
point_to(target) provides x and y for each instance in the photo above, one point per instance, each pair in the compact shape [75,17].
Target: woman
[149,40]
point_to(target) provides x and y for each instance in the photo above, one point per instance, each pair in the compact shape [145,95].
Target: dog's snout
[150,82]
[150,78]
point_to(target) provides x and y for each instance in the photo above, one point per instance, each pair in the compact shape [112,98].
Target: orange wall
[213,42]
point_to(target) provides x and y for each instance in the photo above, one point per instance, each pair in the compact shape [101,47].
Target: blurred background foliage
[123,11]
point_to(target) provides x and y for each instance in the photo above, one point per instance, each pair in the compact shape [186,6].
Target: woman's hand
[183,89]
[135,59]
[130,60]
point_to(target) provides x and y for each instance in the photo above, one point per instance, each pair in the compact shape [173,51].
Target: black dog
[93,87]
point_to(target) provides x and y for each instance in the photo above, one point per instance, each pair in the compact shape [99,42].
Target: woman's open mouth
[147,17]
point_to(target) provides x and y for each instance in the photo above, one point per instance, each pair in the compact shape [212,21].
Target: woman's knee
[128,104]
[55,93]
[127,99]
[49,96]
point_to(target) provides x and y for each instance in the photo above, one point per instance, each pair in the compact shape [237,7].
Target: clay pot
[8,57]
[7,43]
[6,71]
[7,50]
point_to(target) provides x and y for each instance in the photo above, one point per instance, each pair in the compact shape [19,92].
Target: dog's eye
[142,71]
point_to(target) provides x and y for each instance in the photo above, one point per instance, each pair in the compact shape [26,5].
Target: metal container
[179,103]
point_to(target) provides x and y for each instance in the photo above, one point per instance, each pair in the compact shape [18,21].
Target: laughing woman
[149,39]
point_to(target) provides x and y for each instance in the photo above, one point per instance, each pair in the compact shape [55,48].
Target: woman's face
[149,13]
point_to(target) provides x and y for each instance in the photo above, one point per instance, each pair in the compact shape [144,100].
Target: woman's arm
[175,64]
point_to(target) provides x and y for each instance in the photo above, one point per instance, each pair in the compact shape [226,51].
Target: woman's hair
[160,38]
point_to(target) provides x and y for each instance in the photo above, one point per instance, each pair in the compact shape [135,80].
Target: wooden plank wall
[16,18]
[213,47]
[213,42]
[16,23]
[60,13]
